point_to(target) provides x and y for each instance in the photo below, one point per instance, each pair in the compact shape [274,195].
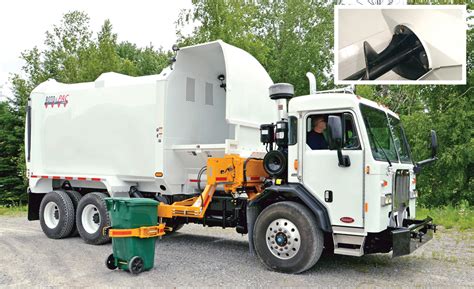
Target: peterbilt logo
[56,100]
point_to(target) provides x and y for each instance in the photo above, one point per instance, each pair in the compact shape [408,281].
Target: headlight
[386,200]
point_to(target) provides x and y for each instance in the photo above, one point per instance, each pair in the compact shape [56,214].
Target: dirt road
[197,256]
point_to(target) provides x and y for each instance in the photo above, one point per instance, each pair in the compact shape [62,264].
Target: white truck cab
[361,184]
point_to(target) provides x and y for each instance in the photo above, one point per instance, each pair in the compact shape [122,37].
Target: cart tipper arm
[231,171]
[194,207]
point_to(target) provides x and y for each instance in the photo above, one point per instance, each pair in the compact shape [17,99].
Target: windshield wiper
[405,141]
[369,128]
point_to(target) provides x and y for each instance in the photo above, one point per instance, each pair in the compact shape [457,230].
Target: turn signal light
[295,164]
[158,174]
[384,183]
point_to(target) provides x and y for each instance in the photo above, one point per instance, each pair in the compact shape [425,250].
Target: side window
[292,130]
[316,133]
[351,137]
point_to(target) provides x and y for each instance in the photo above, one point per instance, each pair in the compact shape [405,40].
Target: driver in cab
[315,138]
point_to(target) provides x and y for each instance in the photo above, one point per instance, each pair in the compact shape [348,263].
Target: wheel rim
[110,262]
[137,265]
[90,219]
[51,215]
[283,239]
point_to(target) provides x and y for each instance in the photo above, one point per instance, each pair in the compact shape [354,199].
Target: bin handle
[142,232]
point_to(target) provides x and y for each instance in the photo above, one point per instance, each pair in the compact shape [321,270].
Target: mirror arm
[344,161]
[419,165]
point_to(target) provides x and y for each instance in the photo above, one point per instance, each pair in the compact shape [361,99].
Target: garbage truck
[217,143]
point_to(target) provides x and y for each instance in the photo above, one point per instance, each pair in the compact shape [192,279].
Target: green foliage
[289,38]
[11,181]
[13,210]
[460,217]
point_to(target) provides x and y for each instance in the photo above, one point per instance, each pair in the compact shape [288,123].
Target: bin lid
[134,201]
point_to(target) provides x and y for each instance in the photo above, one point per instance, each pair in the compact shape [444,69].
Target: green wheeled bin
[133,231]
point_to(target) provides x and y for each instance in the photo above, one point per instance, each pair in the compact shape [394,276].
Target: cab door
[339,188]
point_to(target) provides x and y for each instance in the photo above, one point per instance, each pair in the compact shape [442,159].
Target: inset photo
[409,44]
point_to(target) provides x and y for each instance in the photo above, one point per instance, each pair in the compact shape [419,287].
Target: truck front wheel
[92,218]
[286,238]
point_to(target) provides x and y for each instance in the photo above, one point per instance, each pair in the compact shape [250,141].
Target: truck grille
[401,189]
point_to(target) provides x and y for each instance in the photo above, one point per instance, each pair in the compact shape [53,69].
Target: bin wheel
[110,262]
[135,265]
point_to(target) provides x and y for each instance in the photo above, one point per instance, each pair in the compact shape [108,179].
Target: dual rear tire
[92,218]
[67,213]
[57,217]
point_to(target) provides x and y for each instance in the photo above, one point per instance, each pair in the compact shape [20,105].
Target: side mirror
[335,139]
[335,131]
[433,144]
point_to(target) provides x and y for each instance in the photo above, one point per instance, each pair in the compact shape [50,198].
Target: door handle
[328,196]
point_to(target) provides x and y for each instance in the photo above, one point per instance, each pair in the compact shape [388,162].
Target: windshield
[386,137]
[400,140]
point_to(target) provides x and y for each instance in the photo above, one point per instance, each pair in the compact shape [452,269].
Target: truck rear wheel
[57,215]
[286,238]
[75,197]
[92,218]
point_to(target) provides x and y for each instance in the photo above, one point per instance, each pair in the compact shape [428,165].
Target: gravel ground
[197,256]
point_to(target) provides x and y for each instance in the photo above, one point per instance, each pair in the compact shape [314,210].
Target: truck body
[191,136]
[123,130]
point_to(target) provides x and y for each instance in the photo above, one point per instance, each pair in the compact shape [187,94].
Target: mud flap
[34,202]
[413,235]
[252,213]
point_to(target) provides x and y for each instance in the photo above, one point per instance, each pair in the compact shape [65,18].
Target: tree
[289,38]
[11,179]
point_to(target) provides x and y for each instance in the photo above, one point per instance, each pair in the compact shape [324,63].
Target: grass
[461,218]
[13,211]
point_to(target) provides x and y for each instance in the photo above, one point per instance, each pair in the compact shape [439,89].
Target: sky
[23,24]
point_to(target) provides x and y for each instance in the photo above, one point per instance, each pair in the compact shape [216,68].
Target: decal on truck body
[52,100]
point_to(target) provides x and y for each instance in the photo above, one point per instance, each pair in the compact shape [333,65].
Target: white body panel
[442,32]
[118,131]
[321,173]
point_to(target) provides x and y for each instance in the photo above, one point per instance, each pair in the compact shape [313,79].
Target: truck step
[349,244]
[348,252]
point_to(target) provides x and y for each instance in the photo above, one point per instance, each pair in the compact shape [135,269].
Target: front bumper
[413,235]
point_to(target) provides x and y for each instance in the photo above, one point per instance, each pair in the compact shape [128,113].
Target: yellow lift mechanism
[231,171]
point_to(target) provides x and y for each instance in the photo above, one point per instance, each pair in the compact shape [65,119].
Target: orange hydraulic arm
[194,207]
[231,171]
